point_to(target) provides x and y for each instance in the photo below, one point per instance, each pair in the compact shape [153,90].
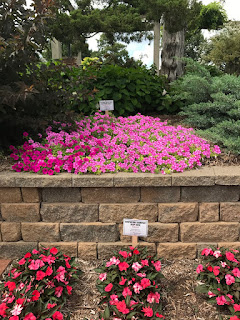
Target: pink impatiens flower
[221,300]
[102,276]
[199,268]
[236,272]
[109,287]
[230,256]
[58,291]
[236,307]
[137,287]
[136,266]
[17,310]
[126,292]
[148,312]
[206,252]
[211,294]
[229,279]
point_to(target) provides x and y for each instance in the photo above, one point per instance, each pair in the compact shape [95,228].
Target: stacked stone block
[83,215]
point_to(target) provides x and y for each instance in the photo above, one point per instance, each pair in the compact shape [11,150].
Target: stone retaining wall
[83,215]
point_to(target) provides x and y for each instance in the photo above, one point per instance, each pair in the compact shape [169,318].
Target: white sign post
[106,105]
[135,228]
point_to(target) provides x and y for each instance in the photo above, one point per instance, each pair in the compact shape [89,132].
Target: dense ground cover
[102,143]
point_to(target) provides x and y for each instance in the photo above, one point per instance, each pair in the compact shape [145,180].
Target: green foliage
[114,53]
[23,35]
[132,89]
[212,104]
[79,89]
[212,16]
[223,49]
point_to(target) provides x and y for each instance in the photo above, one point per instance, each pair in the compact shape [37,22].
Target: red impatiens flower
[11,285]
[123,266]
[53,250]
[123,253]
[14,318]
[216,270]
[20,300]
[122,282]
[135,251]
[30,316]
[160,315]
[210,268]
[236,307]
[36,295]
[49,271]
[40,275]
[51,305]
[145,283]
[69,290]
[121,306]
[27,255]
[58,291]
[22,261]
[3,308]
[148,312]
[57,316]
[108,288]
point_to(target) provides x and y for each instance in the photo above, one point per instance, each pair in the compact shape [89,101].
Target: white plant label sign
[133,227]
[106,105]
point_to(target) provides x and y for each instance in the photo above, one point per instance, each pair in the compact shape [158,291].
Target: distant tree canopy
[114,53]
[223,50]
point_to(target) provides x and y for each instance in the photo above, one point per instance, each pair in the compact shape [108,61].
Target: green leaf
[106,314]
[202,288]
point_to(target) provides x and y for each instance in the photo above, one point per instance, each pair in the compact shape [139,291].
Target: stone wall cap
[227,175]
[128,179]
[203,176]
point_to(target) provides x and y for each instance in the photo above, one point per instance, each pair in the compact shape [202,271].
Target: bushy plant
[38,286]
[129,284]
[211,104]
[220,276]
[132,89]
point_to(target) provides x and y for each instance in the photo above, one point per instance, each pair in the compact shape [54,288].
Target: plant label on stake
[106,105]
[135,228]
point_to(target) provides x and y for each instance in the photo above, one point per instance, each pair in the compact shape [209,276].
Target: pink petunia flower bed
[101,143]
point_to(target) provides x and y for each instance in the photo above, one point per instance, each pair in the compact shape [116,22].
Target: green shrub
[132,89]
[80,88]
[211,104]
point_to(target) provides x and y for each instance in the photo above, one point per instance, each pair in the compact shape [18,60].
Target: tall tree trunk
[172,52]
[156,45]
